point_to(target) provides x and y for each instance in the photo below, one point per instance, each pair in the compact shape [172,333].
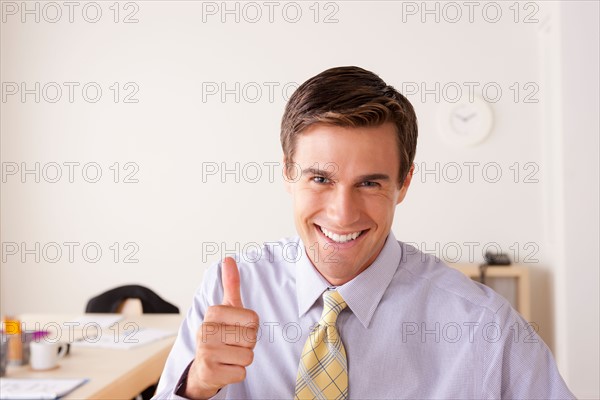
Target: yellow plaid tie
[323,372]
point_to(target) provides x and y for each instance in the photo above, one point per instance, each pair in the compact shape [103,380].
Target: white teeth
[340,238]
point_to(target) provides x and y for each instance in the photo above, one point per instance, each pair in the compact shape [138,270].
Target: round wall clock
[465,123]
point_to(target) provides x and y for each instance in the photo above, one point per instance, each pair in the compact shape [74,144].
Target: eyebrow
[362,178]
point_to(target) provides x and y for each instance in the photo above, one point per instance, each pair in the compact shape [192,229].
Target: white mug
[45,355]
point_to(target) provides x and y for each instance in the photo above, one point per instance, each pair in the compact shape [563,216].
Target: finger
[229,355]
[231,315]
[214,334]
[230,275]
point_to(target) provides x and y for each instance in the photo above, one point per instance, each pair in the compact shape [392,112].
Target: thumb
[230,275]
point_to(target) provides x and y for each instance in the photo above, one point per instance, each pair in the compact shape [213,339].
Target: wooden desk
[112,374]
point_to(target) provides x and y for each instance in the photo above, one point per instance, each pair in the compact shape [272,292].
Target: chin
[336,277]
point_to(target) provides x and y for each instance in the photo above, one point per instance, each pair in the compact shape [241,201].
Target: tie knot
[333,305]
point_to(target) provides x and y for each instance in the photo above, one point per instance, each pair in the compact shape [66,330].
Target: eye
[320,180]
[370,184]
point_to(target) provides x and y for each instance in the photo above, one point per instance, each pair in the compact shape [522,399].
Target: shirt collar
[310,284]
[362,294]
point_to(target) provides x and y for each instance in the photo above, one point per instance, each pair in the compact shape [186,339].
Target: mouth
[341,238]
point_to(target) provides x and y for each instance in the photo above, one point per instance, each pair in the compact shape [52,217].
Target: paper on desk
[27,388]
[125,339]
[104,321]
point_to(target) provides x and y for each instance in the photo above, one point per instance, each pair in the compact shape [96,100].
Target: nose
[344,207]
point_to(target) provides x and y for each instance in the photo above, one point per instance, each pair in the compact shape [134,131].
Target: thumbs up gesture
[230,275]
[225,341]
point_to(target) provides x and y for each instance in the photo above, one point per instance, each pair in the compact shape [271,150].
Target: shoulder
[431,276]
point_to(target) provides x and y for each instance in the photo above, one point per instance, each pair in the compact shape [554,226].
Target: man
[345,310]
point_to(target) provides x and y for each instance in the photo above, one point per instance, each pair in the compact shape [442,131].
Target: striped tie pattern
[323,371]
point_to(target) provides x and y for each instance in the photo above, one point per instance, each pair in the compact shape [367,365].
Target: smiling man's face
[345,190]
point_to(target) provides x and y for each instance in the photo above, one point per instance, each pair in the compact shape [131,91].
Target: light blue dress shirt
[414,328]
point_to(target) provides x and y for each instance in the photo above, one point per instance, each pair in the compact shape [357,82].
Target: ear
[286,179]
[405,185]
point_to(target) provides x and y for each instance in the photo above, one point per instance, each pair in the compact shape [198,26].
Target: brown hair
[350,97]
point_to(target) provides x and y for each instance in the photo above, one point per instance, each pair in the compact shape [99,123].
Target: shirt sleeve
[183,350]
[180,387]
[517,362]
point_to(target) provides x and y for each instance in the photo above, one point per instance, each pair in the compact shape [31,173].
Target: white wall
[576,145]
[173,215]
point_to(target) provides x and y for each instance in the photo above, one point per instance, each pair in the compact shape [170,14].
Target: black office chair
[112,301]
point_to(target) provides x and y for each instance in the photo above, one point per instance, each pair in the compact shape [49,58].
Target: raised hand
[225,341]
